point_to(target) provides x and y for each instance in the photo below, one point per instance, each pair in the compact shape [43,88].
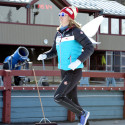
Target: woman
[68,44]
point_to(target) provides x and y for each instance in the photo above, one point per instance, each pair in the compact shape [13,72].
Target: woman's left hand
[74,65]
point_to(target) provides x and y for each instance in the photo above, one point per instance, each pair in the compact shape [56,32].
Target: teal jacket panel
[68,50]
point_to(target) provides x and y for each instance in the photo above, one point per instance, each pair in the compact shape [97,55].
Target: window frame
[109,28]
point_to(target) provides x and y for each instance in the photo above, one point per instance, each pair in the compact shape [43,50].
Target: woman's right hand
[42,57]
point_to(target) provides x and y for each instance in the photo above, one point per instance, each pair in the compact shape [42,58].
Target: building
[31,24]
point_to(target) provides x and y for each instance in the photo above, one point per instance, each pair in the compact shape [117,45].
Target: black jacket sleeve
[52,52]
[86,44]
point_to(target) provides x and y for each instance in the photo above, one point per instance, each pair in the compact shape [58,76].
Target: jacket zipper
[70,59]
[60,48]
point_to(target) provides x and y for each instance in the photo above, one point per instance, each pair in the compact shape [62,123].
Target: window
[109,60]
[104,26]
[116,61]
[114,26]
[123,26]
[45,12]
[11,14]
[123,61]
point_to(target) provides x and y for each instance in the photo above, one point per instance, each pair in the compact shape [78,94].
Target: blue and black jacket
[70,45]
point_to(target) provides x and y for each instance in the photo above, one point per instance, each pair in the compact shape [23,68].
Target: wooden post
[124,99]
[71,116]
[7,97]
[124,106]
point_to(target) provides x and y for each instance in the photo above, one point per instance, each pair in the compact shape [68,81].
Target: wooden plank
[32,93]
[31,106]
[106,117]
[38,109]
[1,105]
[79,88]
[37,72]
[34,88]
[101,98]
[38,114]
[32,120]
[99,103]
[1,88]
[32,103]
[103,74]
[1,114]
[103,88]
[106,100]
[57,73]
[104,112]
[19,114]
[96,92]
[6,106]
[6,115]
[32,99]
[92,108]
[51,93]
[124,106]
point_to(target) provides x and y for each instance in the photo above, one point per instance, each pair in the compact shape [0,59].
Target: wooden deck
[19,104]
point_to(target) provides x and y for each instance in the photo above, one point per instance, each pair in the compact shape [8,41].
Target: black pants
[66,94]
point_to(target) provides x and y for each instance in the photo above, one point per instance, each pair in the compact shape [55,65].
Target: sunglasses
[62,14]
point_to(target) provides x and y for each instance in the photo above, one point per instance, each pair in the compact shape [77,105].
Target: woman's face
[64,19]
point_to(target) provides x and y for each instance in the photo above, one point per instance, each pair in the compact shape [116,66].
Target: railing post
[71,116]
[124,99]
[7,97]
[124,105]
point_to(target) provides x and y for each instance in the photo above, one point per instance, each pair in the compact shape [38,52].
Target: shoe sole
[88,114]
